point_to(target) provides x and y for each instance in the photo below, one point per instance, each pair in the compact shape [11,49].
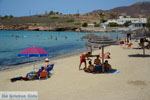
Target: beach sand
[68,83]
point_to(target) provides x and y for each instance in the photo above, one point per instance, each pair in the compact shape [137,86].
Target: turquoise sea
[55,43]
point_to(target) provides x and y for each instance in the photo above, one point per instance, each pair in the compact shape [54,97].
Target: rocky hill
[139,9]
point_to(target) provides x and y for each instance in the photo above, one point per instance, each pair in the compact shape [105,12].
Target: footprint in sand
[137,83]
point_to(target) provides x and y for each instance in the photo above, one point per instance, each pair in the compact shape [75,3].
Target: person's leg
[80,65]
[85,64]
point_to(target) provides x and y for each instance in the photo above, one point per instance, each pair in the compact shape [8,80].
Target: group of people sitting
[43,73]
[96,67]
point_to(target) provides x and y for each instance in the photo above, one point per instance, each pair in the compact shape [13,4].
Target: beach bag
[43,74]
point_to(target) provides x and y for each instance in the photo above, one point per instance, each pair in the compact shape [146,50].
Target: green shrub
[84,24]
[96,24]
[127,23]
[70,20]
[113,24]
[54,17]
[148,23]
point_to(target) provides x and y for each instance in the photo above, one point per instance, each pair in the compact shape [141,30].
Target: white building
[137,22]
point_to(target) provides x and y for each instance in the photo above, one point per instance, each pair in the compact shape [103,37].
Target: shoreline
[18,66]
[81,29]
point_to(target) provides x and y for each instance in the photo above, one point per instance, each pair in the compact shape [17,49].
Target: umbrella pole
[102,54]
[143,50]
[143,46]
[91,49]
[102,58]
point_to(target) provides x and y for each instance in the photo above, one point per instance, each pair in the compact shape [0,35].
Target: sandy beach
[68,83]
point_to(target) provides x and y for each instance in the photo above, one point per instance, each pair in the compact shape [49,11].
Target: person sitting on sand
[90,68]
[83,58]
[97,61]
[46,62]
[98,66]
[106,66]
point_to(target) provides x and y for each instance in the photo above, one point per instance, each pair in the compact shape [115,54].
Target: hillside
[59,21]
[139,9]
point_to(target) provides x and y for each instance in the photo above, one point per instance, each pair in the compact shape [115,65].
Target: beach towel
[113,71]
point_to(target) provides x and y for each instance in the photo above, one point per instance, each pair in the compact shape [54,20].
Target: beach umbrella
[141,33]
[101,42]
[33,52]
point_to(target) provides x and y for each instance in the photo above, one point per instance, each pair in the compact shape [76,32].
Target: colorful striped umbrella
[33,52]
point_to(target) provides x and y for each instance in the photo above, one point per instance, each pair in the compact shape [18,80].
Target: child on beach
[90,68]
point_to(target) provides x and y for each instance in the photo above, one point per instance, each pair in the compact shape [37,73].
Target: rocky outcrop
[13,27]
[36,28]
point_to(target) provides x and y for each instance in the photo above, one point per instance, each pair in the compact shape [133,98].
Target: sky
[32,7]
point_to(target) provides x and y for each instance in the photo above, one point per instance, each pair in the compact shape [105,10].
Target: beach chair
[49,69]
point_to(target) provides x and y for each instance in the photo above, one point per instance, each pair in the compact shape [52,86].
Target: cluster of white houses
[135,22]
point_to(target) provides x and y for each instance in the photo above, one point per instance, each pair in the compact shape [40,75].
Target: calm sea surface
[55,43]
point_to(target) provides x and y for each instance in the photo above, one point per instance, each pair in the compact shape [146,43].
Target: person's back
[82,57]
[107,66]
[97,61]
[90,68]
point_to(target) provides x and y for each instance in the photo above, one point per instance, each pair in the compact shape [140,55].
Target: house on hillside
[134,22]
[91,25]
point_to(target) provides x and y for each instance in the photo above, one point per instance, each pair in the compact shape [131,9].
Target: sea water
[55,43]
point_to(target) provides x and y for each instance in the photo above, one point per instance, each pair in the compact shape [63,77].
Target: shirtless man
[83,59]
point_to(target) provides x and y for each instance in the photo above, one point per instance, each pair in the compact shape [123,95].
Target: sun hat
[46,60]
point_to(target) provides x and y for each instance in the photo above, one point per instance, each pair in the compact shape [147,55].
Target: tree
[127,23]
[84,24]
[103,20]
[11,16]
[96,24]
[51,13]
[148,23]
[113,24]
[7,17]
